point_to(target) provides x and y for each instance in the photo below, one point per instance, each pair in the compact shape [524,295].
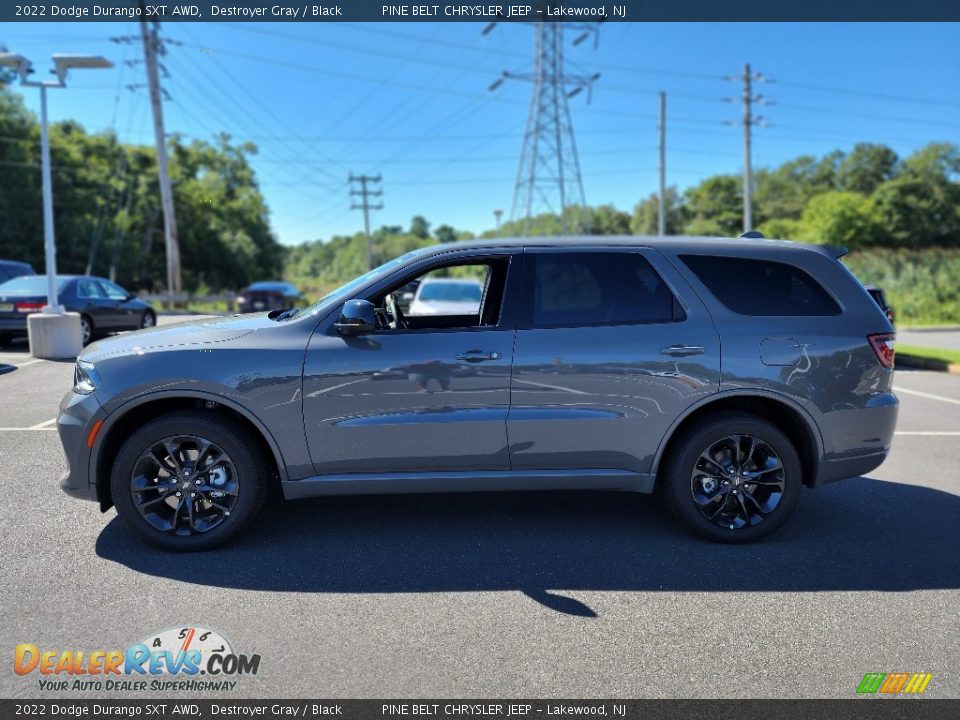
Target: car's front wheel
[189,480]
[732,477]
[148,320]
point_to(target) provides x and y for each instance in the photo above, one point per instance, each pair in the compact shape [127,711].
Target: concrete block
[54,337]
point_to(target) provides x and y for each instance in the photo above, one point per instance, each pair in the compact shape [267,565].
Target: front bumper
[78,413]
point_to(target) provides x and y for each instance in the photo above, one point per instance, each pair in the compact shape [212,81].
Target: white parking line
[927,395]
[24,364]
[27,429]
[929,432]
[43,425]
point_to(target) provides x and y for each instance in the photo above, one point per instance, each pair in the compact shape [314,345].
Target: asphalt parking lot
[508,595]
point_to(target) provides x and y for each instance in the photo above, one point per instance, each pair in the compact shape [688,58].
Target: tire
[745,507]
[4,341]
[86,329]
[243,481]
[148,320]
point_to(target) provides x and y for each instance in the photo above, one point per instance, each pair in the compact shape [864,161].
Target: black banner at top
[478,11]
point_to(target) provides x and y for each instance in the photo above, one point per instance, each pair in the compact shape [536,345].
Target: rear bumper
[862,439]
[848,467]
[16,326]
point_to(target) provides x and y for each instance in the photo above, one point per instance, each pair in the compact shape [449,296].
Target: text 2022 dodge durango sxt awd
[726,374]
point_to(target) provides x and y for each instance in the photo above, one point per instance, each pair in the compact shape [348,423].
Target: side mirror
[356,317]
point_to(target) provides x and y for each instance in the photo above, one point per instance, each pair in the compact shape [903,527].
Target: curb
[922,363]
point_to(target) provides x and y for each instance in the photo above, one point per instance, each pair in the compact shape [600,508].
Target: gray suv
[724,374]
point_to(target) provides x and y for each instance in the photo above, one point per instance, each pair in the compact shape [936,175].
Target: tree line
[107,211]
[108,216]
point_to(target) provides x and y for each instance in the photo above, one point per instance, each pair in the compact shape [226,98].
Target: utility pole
[661,199]
[748,121]
[497,214]
[549,178]
[365,193]
[151,46]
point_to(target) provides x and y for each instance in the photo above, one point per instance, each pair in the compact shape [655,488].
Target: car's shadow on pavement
[860,534]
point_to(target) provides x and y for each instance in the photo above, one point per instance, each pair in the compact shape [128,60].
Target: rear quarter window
[749,286]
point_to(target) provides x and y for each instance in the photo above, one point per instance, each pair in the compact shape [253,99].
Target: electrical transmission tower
[749,120]
[548,178]
[365,193]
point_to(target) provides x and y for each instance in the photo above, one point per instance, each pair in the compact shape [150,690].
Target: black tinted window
[761,287]
[599,288]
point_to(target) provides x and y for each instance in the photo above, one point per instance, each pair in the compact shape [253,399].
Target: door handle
[682,350]
[478,356]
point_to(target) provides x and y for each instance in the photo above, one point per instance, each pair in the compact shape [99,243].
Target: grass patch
[950,356]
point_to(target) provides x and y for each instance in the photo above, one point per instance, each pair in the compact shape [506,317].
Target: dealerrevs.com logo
[192,659]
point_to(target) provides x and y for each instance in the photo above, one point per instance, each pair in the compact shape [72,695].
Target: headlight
[85,378]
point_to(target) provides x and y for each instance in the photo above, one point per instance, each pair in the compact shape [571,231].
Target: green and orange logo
[894,683]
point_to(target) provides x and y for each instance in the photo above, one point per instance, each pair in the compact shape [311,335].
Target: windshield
[344,291]
[29,285]
[450,291]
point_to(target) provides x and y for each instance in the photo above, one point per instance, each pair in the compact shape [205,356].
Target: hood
[203,332]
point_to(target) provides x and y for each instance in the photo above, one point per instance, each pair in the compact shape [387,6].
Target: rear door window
[89,289]
[749,286]
[572,289]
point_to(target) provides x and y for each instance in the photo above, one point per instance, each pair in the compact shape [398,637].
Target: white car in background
[447,296]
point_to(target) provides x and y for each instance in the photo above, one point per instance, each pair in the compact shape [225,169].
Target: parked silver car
[727,374]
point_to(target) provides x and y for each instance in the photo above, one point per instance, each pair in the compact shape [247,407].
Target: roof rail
[752,234]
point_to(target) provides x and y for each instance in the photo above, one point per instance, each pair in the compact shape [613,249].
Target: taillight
[28,307]
[884,345]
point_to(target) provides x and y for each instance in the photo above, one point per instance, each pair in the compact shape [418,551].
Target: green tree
[445,234]
[714,207]
[866,168]
[607,220]
[645,214]
[839,218]
[419,227]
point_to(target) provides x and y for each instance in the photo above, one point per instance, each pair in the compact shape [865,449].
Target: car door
[92,301]
[612,347]
[413,400]
[123,316]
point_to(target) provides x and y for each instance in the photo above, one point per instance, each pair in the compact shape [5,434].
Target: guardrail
[183,301]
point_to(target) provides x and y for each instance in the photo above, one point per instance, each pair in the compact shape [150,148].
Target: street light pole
[53,333]
[53,306]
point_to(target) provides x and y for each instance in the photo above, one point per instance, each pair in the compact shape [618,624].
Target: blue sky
[410,101]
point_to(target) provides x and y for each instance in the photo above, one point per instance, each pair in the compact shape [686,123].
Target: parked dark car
[727,374]
[269,295]
[10,269]
[881,299]
[104,307]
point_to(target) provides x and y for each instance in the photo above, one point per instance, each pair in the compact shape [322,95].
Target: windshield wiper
[286,314]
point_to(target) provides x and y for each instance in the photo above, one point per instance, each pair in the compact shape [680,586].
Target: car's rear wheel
[732,477]
[148,320]
[189,480]
[86,329]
